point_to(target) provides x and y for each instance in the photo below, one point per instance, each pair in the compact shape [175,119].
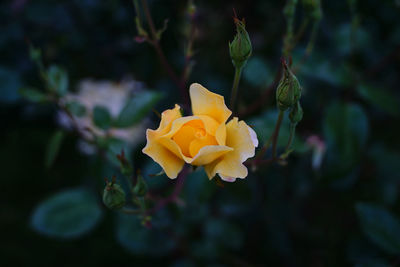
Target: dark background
[278,216]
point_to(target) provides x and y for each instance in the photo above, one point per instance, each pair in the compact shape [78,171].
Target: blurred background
[336,202]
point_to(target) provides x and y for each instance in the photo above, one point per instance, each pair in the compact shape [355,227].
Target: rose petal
[253,136]
[170,163]
[230,165]
[227,178]
[208,103]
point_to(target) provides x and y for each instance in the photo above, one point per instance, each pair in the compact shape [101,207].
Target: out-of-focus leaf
[53,147]
[362,253]
[32,94]
[264,126]
[76,108]
[9,84]
[386,162]
[224,233]
[345,38]
[373,263]
[68,214]
[326,72]
[380,226]
[57,80]
[101,117]
[198,188]
[256,72]
[219,236]
[380,98]
[136,108]
[346,131]
[136,238]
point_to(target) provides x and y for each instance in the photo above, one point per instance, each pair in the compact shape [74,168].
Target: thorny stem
[174,195]
[155,42]
[276,133]
[235,86]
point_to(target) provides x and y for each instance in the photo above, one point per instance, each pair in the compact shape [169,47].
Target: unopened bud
[240,48]
[296,114]
[140,188]
[289,89]
[113,196]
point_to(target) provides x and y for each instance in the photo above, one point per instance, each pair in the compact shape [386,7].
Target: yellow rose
[204,139]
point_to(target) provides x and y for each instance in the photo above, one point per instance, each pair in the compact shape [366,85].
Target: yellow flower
[204,139]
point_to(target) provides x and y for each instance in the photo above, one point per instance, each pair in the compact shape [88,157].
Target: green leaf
[381,98]
[68,214]
[136,238]
[57,79]
[137,108]
[101,117]
[76,108]
[32,94]
[380,226]
[346,131]
[53,147]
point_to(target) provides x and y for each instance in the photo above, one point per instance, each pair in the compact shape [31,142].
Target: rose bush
[203,139]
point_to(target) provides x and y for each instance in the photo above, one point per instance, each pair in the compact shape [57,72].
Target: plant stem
[235,86]
[289,12]
[174,195]
[155,42]
[276,133]
[291,136]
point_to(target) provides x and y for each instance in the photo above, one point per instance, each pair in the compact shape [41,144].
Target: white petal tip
[227,178]
[253,137]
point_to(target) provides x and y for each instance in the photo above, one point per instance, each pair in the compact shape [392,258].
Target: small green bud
[113,196]
[140,188]
[289,89]
[240,48]
[296,114]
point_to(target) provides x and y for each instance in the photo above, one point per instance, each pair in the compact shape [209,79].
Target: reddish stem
[154,41]
[175,193]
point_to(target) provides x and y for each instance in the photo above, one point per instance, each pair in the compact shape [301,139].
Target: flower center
[192,136]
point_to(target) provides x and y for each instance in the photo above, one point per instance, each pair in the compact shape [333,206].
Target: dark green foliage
[68,214]
[380,226]
[343,212]
[101,117]
[136,108]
